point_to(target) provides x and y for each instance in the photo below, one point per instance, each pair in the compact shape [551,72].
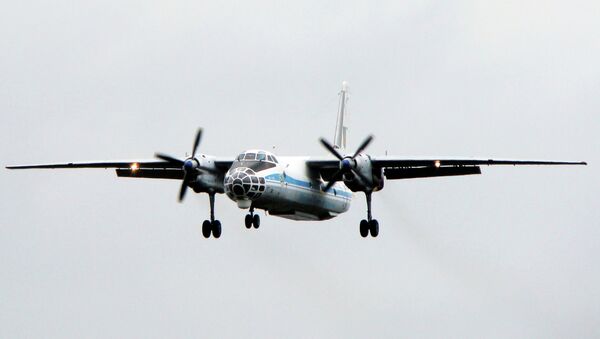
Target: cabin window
[275,160]
[250,156]
[261,156]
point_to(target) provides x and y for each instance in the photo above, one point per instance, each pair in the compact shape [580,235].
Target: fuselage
[283,186]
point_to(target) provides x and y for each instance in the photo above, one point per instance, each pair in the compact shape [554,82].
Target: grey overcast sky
[511,253]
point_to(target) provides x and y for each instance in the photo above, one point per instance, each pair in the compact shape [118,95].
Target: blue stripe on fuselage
[277,177]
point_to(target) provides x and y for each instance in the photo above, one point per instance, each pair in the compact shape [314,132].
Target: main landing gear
[211,226]
[370,225]
[252,219]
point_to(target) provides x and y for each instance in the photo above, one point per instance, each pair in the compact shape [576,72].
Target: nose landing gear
[370,225]
[252,219]
[211,226]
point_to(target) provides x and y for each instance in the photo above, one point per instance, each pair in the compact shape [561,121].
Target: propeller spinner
[347,163]
[191,166]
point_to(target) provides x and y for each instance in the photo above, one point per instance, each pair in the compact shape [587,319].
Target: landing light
[437,164]
[135,166]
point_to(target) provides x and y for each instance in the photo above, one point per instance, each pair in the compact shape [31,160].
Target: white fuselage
[287,188]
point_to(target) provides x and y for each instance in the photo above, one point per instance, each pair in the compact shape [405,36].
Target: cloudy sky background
[511,253]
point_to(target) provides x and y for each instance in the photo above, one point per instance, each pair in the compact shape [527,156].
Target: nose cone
[242,183]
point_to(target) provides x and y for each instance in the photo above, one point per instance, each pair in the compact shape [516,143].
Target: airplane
[293,187]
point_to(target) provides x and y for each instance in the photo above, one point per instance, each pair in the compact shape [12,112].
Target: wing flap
[425,172]
[156,173]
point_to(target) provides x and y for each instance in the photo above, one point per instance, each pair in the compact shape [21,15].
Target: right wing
[154,169]
[158,169]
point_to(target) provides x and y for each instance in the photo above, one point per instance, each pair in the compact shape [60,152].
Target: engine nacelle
[362,164]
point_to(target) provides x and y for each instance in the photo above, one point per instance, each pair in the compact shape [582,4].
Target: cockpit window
[258,161]
[257,166]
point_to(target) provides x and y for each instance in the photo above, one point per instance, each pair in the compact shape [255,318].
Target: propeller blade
[197,141]
[329,186]
[334,178]
[362,146]
[331,149]
[168,158]
[182,190]
[189,166]
[361,177]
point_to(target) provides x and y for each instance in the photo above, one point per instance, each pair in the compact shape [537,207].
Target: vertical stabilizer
[339,140]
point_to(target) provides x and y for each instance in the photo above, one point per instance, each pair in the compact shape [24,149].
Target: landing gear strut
[211,226]
[252,219]
[370,225]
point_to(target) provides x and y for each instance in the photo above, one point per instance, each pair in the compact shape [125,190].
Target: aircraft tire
[256,221]
[248,221]
[206,229]
[216,229]
[374,228]
[364,228]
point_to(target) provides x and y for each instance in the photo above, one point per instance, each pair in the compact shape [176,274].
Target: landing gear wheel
[256,221]
[374,228]
[248,221]
[216,229]
[206,228]
[364,228]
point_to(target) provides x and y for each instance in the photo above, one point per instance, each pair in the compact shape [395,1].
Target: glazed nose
[243,183]
[238,187]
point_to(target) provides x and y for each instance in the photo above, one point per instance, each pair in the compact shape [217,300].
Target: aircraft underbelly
[300,203]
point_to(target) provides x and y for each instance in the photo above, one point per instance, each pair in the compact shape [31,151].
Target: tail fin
[339,140]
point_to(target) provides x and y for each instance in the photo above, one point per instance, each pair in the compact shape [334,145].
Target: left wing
[402,168]
[407,168]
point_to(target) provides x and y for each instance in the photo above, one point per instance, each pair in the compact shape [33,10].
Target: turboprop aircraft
[293,187]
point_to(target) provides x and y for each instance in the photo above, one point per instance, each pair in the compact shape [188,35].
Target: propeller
[347,164]
[190,166]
